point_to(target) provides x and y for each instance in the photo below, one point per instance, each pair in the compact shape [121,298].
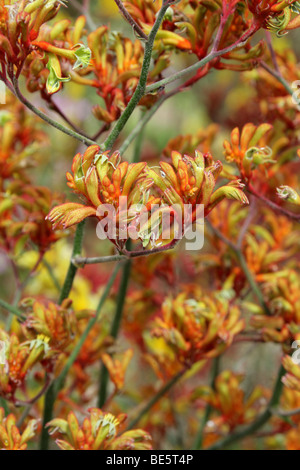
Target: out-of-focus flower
[101,431]
[249,149]
[22,140]
[187,144]
[11,438]
[293,439]
[95,345]
[191,27]
[229,399]
[117,367]
[191,330]
[58,323]
[275,102]
[20,358]
[116,65]
[282,295]
[57,54]
[23,209]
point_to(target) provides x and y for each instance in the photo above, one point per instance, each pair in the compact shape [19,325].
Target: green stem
[136,28]
[4,405]
[254,286]
[199,438]
[58,383]
[104,376]
[11,309]
[141,87]
[243,263]
[78,239]
[47,416]
[141,124]
[156,398]
[276,74]
[52,122]
[50,395]
[259,422]
[52,275]
[193,68]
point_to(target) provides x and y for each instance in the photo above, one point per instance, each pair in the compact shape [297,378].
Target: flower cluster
[10,436]
[20,25]
[103,180]
[101,431]
[190,27]
[229,400]
[276,15]
[191,329]
[282,295]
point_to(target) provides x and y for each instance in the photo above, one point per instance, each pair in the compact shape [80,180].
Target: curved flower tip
[69,214]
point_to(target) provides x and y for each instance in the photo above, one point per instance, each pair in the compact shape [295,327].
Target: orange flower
[117,367]
[191,330]
[58,323]
[249,148]
[191,180]
[10,436]
[229,400]
[98,432]
[20,358]
[101,180]
[20,25]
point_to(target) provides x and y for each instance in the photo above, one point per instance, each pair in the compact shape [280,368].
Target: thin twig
[211,56]
[80,261]
[12,309]
[141,86]
[60,112]
[273,205]
[214,372]
[244,266]
[156,398]
[136,28]
[272,52]
[83,9]
[282,80]
[47,119]
[104,375]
